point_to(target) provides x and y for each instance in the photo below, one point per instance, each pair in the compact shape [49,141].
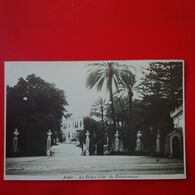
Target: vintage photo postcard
[94,120]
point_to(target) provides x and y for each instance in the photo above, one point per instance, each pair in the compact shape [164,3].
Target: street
[68,162]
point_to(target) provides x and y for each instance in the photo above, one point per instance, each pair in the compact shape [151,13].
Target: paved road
[66,150]
[67,163]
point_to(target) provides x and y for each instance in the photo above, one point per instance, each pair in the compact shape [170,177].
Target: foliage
[163,80]
[33,106]
[161,91]
[113,74]
[128,81]
[120,76]
[96,135]
[121,107]
[99,108]
[104,72]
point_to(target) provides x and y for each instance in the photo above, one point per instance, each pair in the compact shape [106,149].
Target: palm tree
[104,72]
[125,87]
[120,105]
[98,109]
[127,82]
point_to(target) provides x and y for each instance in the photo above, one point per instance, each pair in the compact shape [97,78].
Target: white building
[71,128]
[174,140]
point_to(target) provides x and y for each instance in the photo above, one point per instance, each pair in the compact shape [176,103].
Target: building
[71,129]
[174,140]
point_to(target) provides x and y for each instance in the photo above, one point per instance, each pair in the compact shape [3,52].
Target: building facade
[174,140]
[71,128]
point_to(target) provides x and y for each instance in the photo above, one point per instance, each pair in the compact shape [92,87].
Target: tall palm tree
[99,108]
[127,79]
[121,107]
[104,72]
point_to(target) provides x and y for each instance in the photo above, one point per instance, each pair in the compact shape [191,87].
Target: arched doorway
[176,145]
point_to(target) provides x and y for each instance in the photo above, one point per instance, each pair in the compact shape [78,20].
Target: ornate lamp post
[24,99]
[151,144]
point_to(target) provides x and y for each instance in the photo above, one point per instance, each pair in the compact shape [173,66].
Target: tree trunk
[172,103]
[130,109]
[112,107]
[122,119]
[102,115]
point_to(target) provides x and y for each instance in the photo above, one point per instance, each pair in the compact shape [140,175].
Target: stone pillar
[87,143]
[138,142]
[116,144]
[15,140]
[49,133]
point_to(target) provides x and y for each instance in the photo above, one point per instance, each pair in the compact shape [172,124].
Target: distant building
[71,128]
[174,140]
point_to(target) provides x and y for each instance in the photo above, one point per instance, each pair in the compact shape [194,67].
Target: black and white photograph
[94,120]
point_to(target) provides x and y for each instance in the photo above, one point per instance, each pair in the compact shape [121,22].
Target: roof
[176,112]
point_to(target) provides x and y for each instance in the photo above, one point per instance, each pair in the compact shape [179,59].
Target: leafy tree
[127,79]
[33,106]
[121,107]
[96,135]
[164,80]
[99,108]
[114,74]
[162,91]
[106,72]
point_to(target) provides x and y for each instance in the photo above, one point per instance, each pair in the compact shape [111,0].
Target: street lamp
[25,98]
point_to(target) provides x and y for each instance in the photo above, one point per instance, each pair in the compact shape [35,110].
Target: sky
[69,76]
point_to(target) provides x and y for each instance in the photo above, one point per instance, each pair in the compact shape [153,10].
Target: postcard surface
[94,120]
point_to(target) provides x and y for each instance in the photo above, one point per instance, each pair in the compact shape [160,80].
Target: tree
[164,80]
[98,109]
[96,135]
[127,79]
[161,91]
[121,107]
[33,106]
[108,72]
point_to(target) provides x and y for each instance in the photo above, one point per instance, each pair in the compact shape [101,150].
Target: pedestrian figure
[52,153]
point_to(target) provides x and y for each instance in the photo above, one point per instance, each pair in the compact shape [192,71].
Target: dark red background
[90,30]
